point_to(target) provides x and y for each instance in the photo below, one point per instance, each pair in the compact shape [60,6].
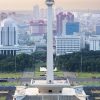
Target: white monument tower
[50,89]
[50,75]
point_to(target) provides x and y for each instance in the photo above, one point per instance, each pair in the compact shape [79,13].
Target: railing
[50,97]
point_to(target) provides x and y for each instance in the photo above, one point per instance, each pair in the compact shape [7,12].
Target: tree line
[21,62]
[85,61]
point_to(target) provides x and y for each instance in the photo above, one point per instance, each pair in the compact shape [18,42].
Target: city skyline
[66,4]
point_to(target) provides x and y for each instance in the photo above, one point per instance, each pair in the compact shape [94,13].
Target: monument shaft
[50,74]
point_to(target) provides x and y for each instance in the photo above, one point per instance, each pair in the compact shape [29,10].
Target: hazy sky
[68,4]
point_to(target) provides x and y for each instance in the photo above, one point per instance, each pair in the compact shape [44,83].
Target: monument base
[40,90]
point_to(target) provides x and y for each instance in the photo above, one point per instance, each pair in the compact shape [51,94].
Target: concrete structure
[68,44]
[94,42]
[50,76]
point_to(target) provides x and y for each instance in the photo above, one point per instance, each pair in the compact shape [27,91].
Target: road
[43,78]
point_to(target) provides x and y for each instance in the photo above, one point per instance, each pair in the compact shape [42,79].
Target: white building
[8,32]
[94,42]
[36,12]
[38,27]
[68,44]
[26,49]
[8,36]
[9,39]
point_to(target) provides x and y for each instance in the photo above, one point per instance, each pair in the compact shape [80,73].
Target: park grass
[90,83]
[88,75]
[9,84]
[10,75]
[3,98]
[19,75]
[38,74]
[58,73]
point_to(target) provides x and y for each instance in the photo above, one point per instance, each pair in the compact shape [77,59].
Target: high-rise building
[38,27]
[72,27]
[3,16]
[94,43]
[69,28]
[43,13]
[8,36]
[98,30]
[70,17]
[36,12]
[61,19]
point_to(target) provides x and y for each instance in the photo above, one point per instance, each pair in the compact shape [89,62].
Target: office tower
[43,13]
[72,27]
[98,30]
[38,27]
[67,44]
[94,43]
[70,17]
[8,36]
[3,16]
[36,12]
[60,18]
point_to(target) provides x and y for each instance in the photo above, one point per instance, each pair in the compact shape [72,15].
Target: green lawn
[3,98]
[88,75]
[59,74]
[40,74]
[19,75]
[9,84]
[10,75]
[90,83]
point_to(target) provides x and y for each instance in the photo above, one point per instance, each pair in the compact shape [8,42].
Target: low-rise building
[94,42]
[67,44]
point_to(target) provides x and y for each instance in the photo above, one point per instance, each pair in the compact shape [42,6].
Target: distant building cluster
[62,21]
[9,39]
[26,31]
[38,27]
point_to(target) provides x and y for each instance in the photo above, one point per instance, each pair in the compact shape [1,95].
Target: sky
[66,4]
